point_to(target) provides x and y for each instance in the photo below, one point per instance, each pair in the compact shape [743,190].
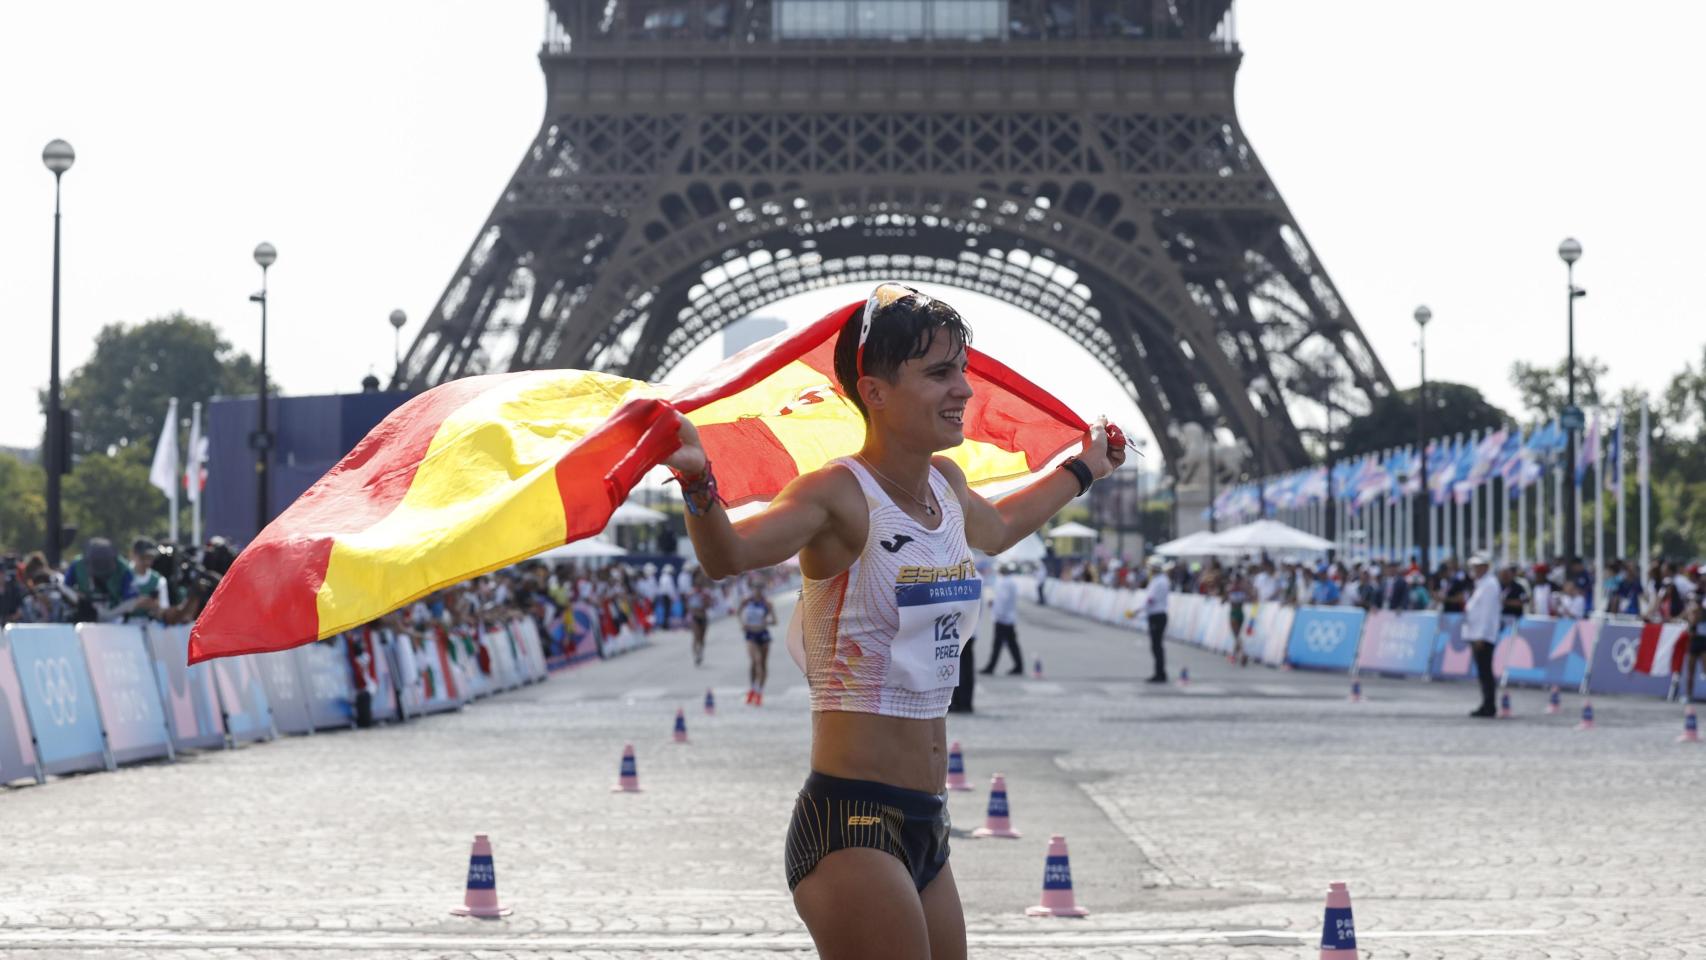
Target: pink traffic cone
[680,726]
[1356,691]
[1505,705]
[1587,716]
[1057,885]
[629,781]
[481,900]
[1338,930]
[996,823]
[1553,704]
[957,768]
[1690,727]
[1037,669]
[1184,676]
[710,703]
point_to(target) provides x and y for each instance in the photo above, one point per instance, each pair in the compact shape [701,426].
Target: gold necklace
[928,509]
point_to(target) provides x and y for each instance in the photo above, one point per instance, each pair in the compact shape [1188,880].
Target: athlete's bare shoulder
[837,491]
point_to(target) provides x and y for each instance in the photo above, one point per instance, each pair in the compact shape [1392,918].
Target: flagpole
[1522,526]
[1598,521]
[193,477]
[1540,515]
[1622,552]
[1643,471]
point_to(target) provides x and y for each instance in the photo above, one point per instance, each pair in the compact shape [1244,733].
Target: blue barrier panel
[17,752]
[58,698]
[286,695]
[1398,643]
[126,691]
[1615,657]
[1542,651]
[242,699]
[186,692]
[1324,638]
[1453,659]
[326,672]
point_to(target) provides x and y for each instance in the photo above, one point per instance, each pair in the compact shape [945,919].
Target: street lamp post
[1420,529]
[265,255]
[58,157]
[398,319]
[1259,386]
[1570,251]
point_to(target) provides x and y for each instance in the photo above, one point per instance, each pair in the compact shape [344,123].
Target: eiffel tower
[1078,159]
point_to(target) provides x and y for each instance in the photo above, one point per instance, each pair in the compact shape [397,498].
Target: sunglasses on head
[883,296]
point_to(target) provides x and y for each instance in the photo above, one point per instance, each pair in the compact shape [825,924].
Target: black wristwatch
[1081,472]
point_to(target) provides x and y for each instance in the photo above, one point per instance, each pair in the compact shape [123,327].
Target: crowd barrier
[1599,655]
[93,696]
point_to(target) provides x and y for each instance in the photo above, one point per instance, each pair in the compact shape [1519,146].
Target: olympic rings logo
[58,690]
[946,670]
[1323,636]
[1625,652]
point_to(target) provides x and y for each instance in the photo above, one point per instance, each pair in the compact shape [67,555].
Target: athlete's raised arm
[996,527]
[798,515]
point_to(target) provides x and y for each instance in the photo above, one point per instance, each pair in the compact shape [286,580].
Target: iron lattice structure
[1078,159]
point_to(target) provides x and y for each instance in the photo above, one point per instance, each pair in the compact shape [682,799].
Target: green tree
[1544,389]
[110,496]
[23,505]
[1391,422]
[120,393]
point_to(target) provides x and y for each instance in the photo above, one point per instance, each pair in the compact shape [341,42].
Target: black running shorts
[833,814]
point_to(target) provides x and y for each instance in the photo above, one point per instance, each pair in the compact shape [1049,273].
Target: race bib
[936,619]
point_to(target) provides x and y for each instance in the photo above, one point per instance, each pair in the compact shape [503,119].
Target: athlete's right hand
[689,459]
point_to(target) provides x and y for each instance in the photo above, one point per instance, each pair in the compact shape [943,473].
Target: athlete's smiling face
[924,408]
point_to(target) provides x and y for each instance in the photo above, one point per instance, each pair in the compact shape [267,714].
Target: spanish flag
[483,472]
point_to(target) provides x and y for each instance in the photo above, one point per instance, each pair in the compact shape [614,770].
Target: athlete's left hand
[1104,448]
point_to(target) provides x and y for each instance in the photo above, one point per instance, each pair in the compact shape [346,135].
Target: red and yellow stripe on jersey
[479,473]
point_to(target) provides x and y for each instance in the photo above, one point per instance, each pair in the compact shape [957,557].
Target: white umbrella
[632,514]
[582,549]
[1268,535]
[1199,544]
[1072,530]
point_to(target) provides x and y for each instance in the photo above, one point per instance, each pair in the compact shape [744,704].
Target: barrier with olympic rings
[59,700]
[1597,655]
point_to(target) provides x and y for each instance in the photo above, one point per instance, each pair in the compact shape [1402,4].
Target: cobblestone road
[1203,822]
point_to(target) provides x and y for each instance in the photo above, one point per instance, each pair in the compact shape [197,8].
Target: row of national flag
[1456,466]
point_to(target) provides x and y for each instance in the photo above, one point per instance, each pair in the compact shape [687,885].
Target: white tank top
[884,636]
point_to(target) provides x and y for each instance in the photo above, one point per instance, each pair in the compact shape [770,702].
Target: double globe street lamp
[58,157]
[1570,251]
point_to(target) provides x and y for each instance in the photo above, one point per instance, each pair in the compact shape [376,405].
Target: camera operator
[190,582]
[12,591]
[153,597]
[98,586]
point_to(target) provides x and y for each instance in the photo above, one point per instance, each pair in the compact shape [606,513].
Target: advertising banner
[374,662]
[58,698]
[405,672]
[1271,633]
[438,683]
[501,656]
[242,699]
[1453,659]
[1543,651]
[1618,664]
[17,752]
[326,675]
[126,691]
[281,672]
[1325,638]
[583,624]
[1398,643]
[192,707]
[527,633]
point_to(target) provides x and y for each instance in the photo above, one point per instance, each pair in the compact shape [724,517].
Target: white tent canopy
[1030,550]
[1267,535]
[1071,530]
[632,514]
[580,550]
[1199,544]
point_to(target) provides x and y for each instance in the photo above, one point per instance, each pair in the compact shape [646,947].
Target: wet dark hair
[903,330]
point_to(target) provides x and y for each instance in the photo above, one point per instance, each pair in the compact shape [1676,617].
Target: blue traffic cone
[1338,929]
[957,768]
[481,898]
[680,726]
[710,702]
[1184,676]
[1587,716]
[1356,691]
[1553,703]
[1057,898]
[996,823]
[1505,705]
[1037,669]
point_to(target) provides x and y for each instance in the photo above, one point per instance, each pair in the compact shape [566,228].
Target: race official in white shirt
[1155,605]
[1481,629]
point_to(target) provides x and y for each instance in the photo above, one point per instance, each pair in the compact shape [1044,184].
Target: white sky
[1432,153]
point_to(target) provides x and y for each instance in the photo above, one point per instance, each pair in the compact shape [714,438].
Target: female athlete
[884,539]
